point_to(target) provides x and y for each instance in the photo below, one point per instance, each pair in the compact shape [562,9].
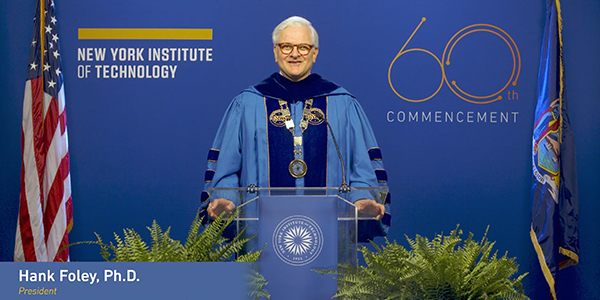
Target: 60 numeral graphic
[453,85]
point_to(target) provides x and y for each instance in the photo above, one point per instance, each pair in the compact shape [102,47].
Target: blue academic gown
[251,147]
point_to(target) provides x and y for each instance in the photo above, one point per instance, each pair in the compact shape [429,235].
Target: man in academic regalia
[275,134]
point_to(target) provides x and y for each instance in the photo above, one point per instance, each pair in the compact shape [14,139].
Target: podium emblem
[297,240]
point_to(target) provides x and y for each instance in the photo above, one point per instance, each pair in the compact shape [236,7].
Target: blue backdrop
[456,137]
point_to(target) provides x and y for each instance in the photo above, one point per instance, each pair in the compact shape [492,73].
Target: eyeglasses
[287,48]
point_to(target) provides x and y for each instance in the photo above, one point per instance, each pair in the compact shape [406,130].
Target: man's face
[295,66]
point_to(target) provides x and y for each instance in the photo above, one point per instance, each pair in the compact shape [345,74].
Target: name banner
[125,280]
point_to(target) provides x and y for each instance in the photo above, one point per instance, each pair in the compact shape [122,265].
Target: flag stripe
[26,234]
[64,255]
[37,114]
[63,122]
[55,195]
[31,200]
[50,123]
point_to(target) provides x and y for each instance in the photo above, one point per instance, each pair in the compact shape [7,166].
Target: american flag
[45,210]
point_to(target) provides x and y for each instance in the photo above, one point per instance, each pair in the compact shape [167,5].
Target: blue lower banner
[108,280]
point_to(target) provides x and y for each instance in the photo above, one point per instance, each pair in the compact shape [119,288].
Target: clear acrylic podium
[299,230]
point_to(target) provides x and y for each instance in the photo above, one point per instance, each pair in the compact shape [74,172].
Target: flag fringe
[572,259]
[543,265]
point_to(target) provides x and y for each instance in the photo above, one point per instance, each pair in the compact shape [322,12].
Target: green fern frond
[445,267]
[206,245]
[256,284]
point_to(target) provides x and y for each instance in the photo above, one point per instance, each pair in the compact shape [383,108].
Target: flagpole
[560,65]
[42,49]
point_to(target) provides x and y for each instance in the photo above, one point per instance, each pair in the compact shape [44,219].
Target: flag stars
[44,51]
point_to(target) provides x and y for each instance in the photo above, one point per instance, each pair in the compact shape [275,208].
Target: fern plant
[207,245]
[446,267]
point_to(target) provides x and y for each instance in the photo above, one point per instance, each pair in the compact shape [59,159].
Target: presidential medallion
[298,168]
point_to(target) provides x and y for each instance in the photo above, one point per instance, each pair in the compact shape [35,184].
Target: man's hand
[219,206]
[368,207]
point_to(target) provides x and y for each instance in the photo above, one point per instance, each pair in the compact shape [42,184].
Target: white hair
[298,22]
